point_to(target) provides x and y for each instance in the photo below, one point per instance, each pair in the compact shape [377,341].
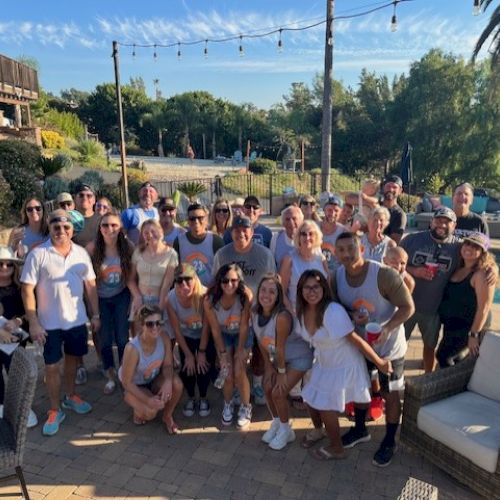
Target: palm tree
[492,29]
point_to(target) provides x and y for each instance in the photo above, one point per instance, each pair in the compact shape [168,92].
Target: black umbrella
[407,167]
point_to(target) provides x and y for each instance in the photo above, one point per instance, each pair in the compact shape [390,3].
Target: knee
[177,385]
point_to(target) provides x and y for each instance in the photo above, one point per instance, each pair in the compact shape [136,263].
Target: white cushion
[485,378]
[468,424]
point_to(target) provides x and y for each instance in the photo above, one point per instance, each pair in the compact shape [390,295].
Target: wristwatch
[474,335]
[281,371]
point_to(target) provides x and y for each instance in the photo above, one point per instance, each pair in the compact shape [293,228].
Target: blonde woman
[221,216]
[306,255]
[308,205]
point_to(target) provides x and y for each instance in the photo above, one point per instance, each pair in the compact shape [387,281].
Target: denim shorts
[300,364]
[74,340]
[233,340]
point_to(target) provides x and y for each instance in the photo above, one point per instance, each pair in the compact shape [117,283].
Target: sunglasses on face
[36,208]
[85,195]
[107,225]
[64,204]
[194,218]
[308,203]
[101,205]
[153,324]
[62,227]
[226,281]
[183,279]
[252,207]
[164,210]
[6,264]
[222,210]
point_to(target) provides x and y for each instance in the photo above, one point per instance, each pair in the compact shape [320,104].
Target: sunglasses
[183,279]
[153,324]
[6,264]
[65,204]
[222,210]
[101,205]
[110,225]
[62,227]
[37,208]
[226,281]
[311,203]
[194,218]
[86,195]
[252,207]
[164,210]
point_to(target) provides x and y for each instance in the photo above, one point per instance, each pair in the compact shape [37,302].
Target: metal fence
[273,190]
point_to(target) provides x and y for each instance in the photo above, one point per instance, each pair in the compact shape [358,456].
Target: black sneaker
[383,456]
[353,437]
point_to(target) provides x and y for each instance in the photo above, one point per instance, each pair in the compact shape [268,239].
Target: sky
[72,42]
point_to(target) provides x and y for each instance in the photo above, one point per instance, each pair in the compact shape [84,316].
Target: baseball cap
[167,202]
[395,179]
[147,184]
[59,215]
[61,197]
[241,221]
[334,200]
[446,212]
[184,270]
[251,200]
[479,239]
[83,187]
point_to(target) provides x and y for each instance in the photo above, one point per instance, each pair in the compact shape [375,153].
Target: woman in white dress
[339,373]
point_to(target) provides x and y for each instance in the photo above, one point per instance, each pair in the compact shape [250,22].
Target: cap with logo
[479,239]
[241,221]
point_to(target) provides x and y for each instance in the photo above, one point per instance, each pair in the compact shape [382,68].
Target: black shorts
[394,381]
[74,340]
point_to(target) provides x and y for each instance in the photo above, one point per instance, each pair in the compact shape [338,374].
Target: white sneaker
[244,416]
[272,431]
[227,414]
[282,438]
[32,420]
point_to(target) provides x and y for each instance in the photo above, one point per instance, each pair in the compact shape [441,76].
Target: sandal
[110,387]
[311,437]
[324,455]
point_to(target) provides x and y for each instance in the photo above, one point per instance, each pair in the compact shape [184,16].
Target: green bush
[57,163]
[91,177]
[67,123]
[53,186]
[90,150]
[113,193]
[192,189]
[20,166]
[6,198]
[262,166]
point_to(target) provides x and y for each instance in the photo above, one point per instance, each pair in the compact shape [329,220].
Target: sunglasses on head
[153,323]
[251,207]
[164,210]
[6,264]
[226,281]
[183,279]
[36,208]
[194,218]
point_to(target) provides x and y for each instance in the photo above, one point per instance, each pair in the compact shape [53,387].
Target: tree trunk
[161,153]
[214,145]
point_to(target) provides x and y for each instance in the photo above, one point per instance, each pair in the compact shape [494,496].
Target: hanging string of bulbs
[269,32]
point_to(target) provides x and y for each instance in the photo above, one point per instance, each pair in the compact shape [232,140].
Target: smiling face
[34,211]
[61,232]
[151,326]
[252,211]
[332,213]
[462,199]
[312,291]
[110,227]
[242,237]
[184,286]
[470,252]
[85,201]
[230,282]
[377,223]
[6,270]
[348,251]
[441,228]
[268,295]
[147,196]
[197,220]
[391,190]
[151,234]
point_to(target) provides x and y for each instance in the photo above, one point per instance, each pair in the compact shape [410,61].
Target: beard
[389,196]
[439,237]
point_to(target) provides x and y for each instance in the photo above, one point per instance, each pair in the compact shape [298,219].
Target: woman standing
[375,242]
[339,373]
[227,309]
[112,257]
[308,205]
[147,372]
[221,217]
[103,206]
[33,229]
[467,299]
[286,356]
[185,314]
[306,255]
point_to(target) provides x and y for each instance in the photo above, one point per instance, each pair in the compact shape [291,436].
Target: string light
[394,20]
[241,51]
[205,50]
[476,9]
[133,52]
[155,55]
[179,51]
[280,42]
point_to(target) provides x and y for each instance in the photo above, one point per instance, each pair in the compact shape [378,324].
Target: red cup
[373,330]
[433,267]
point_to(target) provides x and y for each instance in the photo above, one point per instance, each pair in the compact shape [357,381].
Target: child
[397,258]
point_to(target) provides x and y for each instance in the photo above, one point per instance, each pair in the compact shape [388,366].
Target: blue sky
[72,42]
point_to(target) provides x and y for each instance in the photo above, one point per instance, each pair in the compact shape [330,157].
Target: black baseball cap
[395,179]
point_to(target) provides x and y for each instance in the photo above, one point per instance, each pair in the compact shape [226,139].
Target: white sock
[257,380]
[275,419]
[284,426]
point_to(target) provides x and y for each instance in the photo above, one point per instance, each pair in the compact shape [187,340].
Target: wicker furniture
[414,489]
[19,394]
[427,389]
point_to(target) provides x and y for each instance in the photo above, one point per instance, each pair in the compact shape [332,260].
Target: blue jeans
[114,326]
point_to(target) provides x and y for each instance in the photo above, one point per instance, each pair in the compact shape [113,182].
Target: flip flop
[324,455]
[311,437]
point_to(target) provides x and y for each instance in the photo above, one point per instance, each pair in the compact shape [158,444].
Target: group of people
[291,308]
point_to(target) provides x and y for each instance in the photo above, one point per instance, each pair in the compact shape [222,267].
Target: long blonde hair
[213,221]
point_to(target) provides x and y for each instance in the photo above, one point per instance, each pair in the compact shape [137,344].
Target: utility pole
[326,122]
[120,125]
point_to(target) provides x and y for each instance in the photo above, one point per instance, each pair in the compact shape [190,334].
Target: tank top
[375,252]
[282,246]
[149,366]
[190,321]
[381,310]
[31,239]
[299,265]
[328,247]
[110,281]
[199,255]
[229,319]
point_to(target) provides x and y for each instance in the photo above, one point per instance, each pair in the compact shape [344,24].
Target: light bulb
[133,52]
[394,23]
[280,43]
[241,51]
[179,52]
[155,55]
[205,50]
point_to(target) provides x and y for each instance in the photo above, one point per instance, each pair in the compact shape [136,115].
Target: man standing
[467,221]
[432,259]
[134,216]
[331,229]
[393,187]
[198,245]
[168,213]
[372,292]
[253,210]
[84,202]
[282,241]
[55,277]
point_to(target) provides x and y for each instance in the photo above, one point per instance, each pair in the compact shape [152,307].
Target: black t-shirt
[469,223]
[12,302]
[397,222]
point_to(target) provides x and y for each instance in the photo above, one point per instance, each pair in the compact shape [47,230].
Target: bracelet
[281,371]
[474,335]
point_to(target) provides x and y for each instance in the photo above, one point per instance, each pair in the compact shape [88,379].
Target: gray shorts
[429,326]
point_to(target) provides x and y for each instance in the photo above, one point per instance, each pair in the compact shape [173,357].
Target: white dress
[339,373]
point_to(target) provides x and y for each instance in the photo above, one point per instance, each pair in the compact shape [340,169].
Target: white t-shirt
[58,284]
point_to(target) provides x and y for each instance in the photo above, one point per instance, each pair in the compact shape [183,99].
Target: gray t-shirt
[422,248]
[255,263]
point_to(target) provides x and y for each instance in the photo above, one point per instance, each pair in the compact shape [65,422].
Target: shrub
[134,179]
[113,193]
[90,150]
[20,166]
[6,197]
[262,166]
[67,123]
[192,189]
[91,177]
[52,140]
[53,186]
[57,163]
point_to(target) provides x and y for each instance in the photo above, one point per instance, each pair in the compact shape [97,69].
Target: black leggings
[451,344]
[5,360]
[200,379]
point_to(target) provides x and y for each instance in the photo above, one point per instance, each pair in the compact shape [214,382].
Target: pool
[496,298]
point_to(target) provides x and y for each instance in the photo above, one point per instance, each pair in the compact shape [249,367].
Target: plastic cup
[433,267]
[373,330]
